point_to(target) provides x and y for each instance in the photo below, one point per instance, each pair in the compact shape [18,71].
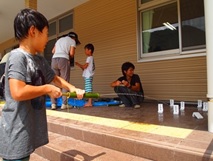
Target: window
[58,27]
[160,29]
[52,29]
[171,28]
[192,24]
[66,23]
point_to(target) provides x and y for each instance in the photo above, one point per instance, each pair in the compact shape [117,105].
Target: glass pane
[192,24]
[52,29]
[160,29]
[66,23]
[48,50]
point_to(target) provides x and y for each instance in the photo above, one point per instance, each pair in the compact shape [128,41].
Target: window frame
[166,54]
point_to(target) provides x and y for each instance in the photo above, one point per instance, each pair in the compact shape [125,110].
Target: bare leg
[89,103]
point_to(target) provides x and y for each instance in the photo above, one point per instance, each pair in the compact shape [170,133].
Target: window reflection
[160,26]
[192,24]
[160,29]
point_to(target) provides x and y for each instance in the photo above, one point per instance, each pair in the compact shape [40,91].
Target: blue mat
[80,103]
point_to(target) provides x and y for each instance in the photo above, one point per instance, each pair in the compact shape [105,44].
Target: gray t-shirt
[23,124]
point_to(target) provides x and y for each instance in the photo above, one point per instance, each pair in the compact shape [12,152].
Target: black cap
[75,36]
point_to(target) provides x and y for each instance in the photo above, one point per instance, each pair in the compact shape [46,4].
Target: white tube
[208,6]
[210,118]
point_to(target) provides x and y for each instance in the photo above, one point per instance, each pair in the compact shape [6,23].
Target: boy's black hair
[90,47]
[27,18]
[125,66]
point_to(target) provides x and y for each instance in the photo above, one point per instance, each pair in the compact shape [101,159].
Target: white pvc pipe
[208,7]
[210,119]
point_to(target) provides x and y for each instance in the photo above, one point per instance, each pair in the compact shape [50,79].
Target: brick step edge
[138,145]
[63,148]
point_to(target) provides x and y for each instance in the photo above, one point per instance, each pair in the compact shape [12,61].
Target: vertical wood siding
[111,25]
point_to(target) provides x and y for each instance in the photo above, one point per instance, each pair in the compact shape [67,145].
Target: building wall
[6,45]
[112,27]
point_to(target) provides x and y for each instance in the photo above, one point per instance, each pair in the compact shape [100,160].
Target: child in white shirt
[88,71]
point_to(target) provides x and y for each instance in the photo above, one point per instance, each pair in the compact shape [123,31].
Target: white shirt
[90,70]
[62,47]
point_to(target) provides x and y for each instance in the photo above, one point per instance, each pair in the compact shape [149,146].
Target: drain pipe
[209,59]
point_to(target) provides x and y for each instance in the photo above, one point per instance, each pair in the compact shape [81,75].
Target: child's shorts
[88,84]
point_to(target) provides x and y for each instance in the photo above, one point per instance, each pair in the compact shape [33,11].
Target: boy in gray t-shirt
[28,78]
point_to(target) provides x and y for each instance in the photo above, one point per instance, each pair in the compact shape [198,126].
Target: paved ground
[170,136]
[148,113]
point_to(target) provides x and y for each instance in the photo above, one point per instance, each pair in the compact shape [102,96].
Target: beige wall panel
[182,79]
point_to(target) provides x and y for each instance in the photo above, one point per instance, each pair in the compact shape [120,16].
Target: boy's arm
[53,50]
[116,83]
[60,82]
[72,51]
[82,66]
[136,87]
[21,91]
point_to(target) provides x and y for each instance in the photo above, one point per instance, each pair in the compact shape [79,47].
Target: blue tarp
[80,103]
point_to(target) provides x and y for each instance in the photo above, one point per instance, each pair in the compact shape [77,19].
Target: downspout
[209,59]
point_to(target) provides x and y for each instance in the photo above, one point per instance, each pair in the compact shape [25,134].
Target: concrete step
[82,136]
[36,157]
[64,148]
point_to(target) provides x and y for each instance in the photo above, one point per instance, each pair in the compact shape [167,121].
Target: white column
[208,7]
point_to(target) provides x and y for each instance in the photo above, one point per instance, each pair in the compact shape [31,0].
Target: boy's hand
[55,92]
[80,93]
[118,83]
[125,83]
